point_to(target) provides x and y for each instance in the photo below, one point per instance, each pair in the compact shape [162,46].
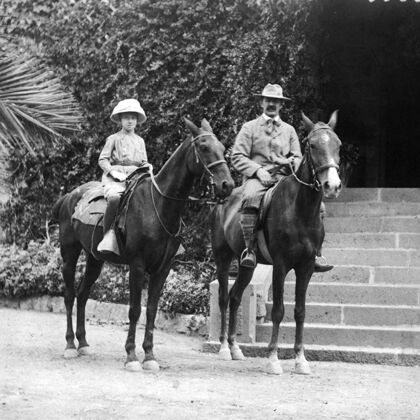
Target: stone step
[379,194]
[344,335]
[373,257]
[367,315]
[365,240]
[380,224]
[331,353]
[376,208]
[364,274]
[368,294]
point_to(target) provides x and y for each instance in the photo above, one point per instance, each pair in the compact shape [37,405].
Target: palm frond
[34,107]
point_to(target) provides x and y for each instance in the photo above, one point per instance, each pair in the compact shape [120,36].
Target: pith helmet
[129,105]
[272,91]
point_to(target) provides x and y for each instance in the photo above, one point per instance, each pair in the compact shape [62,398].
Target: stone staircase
[368,308]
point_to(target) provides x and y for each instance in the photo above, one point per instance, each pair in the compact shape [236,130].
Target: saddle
[91,207]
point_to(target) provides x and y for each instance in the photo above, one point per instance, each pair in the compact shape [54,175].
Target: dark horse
[293,230]
[153,223]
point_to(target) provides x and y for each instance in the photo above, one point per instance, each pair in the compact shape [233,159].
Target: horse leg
[303,275]
[136,281]
[223,259]
[70,254]
[235,297]
[92,271]
[155,287]
[277,314]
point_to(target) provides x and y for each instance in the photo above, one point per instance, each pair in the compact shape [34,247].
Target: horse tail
[56,209]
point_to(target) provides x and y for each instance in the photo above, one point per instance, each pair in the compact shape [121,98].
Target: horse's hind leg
[235,297]
[303,275]
[92,271]
[137,277]
[223,258]
[70,254]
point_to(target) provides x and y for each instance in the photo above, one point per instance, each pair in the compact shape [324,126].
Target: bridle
[316,185]
[198,159]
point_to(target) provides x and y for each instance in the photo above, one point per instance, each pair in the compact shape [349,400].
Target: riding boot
[321,265]
[109,242]
[248,222]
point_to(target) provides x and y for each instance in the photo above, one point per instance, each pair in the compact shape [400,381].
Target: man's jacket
[254,148]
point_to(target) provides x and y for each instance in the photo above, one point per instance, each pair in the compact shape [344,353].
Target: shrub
[36,271]
[31,272]
[184,294]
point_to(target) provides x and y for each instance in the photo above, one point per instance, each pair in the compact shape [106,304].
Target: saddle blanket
[91,207]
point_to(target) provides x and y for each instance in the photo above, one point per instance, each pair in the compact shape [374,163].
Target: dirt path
[36,382]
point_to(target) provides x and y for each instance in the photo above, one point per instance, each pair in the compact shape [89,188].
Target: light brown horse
[152,227]
[293,230]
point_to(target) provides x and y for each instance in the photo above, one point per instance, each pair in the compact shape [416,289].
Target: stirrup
[248,258]
[109,244]
[321,265]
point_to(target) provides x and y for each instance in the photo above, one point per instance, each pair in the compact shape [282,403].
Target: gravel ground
[36,382]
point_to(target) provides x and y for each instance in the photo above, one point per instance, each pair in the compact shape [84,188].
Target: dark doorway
[371,56]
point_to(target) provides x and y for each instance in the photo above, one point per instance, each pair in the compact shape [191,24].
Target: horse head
[322,147]
[208,157]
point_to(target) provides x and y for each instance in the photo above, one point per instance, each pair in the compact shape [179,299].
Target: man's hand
[264,177]
[119,176]
[284,161]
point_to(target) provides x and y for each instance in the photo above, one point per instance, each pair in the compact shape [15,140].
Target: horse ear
[193,128]
[206,125]
[309,125]
[333,119]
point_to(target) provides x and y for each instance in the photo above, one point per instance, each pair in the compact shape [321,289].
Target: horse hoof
[302,368]
[237,354]
[134,366]
[151,366]
[274,368]
[225,354]
[85,351]
[70,353]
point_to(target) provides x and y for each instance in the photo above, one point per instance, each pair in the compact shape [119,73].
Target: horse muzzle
[331,184]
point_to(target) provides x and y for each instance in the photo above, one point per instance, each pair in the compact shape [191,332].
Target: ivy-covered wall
[204,58]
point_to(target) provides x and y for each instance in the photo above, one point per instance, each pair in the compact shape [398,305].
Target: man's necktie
[270,125]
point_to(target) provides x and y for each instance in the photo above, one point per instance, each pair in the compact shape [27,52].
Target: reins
[316,185]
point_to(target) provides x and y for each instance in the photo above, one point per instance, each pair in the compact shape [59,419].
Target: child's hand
[119,176]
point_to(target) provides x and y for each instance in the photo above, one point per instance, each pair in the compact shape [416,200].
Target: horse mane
[168,161]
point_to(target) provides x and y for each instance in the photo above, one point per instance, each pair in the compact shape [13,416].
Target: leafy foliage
[31,272]
[184,294]
[180,58]
[33,105]
[36,271]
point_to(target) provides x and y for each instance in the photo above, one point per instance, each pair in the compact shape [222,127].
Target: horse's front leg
[136,285]
[235,297]
[277,314]
[223,259]
[155,287]
[303,275]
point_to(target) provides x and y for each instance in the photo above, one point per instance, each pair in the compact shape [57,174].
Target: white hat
[129,105]
[272,91]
